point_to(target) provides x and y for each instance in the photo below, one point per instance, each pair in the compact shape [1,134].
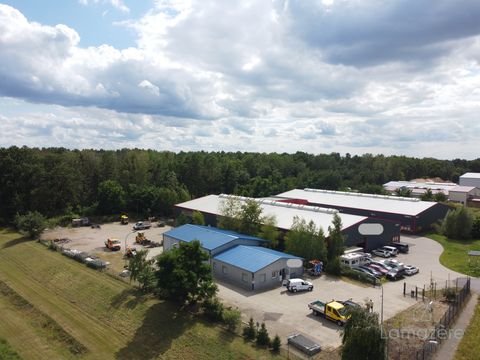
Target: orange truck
[113,244]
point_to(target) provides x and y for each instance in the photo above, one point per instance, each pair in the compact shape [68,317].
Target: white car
[391,249]
[382,252]
[294,285]
[411,270]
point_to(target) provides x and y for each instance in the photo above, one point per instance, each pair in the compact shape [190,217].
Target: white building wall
[470,181]
[458,196]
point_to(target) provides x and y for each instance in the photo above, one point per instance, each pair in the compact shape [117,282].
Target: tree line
[55,181]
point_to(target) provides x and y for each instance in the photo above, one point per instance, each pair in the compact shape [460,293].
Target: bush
[231,318]
[276,343]
[449,294]
[213,309]
[262,336]
[250,331]
[334,267]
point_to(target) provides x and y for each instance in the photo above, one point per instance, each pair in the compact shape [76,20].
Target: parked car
[142,225]
[393,263]
[382,252]
[394,275]
[410,270]
[393,250]
[382,265]
[294,285]
[368,274]
[370,271]
[402,247]
[350,304]
[378,268]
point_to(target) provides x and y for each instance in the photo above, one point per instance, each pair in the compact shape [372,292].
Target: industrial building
[470,179]
[255,268]
[237,258]
[463,194]
[412,214]
[285,212]
[419,188]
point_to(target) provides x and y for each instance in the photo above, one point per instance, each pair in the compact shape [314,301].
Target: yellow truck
[333,310]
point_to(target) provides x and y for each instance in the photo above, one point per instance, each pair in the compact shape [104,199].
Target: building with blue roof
[255,267]
[213,240]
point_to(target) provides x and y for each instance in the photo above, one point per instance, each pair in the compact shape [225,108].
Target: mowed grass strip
[469,347]
[41,322]
[110,317]
[455,254]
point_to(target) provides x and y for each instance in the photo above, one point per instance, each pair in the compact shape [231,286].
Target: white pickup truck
[142,225]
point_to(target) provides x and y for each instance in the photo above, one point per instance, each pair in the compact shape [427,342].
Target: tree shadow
[163,323]
[129,298]
[16,241]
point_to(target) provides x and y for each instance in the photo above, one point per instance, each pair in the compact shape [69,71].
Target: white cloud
[117,4]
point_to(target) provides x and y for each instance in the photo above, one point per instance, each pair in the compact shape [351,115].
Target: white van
[294,285]
[391,249]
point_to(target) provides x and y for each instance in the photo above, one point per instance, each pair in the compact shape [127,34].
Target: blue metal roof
[252,258]
[210,237]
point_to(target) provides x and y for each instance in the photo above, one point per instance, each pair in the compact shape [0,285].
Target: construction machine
[124,219]
[113,244]
[130,252]
[141,239]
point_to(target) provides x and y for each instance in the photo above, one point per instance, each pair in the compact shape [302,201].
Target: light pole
[381,311]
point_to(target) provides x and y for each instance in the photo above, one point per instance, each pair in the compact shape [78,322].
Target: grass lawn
[469,347]
[455,256]
[6,352]
[53,307]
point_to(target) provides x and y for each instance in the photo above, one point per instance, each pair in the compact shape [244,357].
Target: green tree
[182,219]
[362,337]
[32,223]
[250,331]
[276,344]
[262,336]
[335,245]
[305,240]
[427,196]
[403,192]
[184,275]
[197,218]
[458,224]
[476,228]
[232,318]
[111,197]
[230,210]
[440,197]
[250,218]
[269,231]
[141,269]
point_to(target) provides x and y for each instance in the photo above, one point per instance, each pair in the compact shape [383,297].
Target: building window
[274,274]
[263,277]
[244,277]
[224,270]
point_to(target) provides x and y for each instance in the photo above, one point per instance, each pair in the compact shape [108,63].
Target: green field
[53,307]
[469,347]
[455,256]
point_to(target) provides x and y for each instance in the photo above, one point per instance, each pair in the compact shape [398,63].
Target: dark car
[373,272]
[394,275]
[402,247]
[350,304]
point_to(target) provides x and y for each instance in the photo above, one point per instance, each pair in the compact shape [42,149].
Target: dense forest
[56,181]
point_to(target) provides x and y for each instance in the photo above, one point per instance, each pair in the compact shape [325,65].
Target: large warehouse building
[237,258]
[470,179]
[285,212]
[413,214]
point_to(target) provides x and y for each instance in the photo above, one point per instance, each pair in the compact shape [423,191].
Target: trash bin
[412,293]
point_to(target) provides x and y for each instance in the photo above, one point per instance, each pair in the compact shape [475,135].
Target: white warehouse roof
[471,175]
[371,202]
[284,212]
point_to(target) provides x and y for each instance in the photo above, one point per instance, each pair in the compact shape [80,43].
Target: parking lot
[285,313]
[92,240]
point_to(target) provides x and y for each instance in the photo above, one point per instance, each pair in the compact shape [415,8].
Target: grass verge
[469,347]
[455,254]
[109,317]
[6,351]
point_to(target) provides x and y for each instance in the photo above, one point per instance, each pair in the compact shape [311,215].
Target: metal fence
[440,333]
[435,290]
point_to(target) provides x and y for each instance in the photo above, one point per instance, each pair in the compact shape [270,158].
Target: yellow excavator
[141,239]
[124,219]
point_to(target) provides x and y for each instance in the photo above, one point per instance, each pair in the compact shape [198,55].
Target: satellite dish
[294,263]
[370,229]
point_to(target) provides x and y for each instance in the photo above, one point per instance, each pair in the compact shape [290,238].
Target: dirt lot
[92,240]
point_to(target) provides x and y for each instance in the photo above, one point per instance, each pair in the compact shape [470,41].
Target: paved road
[286,313]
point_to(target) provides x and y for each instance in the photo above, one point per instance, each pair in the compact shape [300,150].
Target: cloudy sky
[357,76]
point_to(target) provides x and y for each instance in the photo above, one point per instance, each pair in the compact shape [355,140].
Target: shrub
[276,343]
[213,309]
[250,331]
[449,294]
[262,336]
[231,318]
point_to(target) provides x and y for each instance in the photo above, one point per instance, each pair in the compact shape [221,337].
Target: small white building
[463,193]
[470,179]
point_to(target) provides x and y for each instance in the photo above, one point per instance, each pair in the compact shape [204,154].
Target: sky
[393,77]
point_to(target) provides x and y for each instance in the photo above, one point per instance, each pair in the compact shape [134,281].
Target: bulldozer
[113,244]
[141,239]
[124,219]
